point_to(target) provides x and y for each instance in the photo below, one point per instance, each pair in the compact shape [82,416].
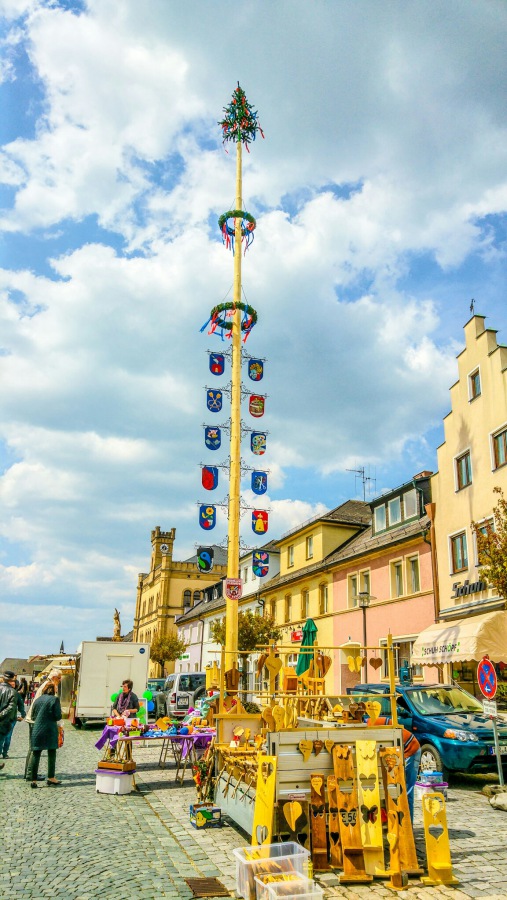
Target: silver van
[182,690]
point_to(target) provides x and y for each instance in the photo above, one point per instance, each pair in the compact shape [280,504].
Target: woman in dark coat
[46,713]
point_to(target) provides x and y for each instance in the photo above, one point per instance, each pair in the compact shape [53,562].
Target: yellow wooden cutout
[329,746]
[317,782]
[354,663]
[278,714]
[262,828]
[317,746]
[369,805]
[267,715]
[438,853]
[373,710]
[292,812]
[273,664]
[306,748]
[212,676]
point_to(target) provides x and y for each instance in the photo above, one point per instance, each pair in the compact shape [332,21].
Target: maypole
[236,319]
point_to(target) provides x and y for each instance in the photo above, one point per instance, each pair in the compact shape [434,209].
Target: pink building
[383,582]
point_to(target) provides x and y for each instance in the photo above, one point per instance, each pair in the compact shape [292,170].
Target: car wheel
[431,761]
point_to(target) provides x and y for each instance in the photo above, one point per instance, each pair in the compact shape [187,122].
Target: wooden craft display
[294,822]
[436,834]
[318,823]
[335,845]
[350,828]
[395,792]
[264,800]
[369,806]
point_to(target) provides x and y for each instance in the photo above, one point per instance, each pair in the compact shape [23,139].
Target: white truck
[101,667]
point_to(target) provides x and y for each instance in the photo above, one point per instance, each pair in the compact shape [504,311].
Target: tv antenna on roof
[366,479]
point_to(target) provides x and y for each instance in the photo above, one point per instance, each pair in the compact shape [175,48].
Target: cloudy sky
[380,194]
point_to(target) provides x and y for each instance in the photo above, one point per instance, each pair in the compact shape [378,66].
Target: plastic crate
[305,889]
[273,858]
[109,782]
[421,788]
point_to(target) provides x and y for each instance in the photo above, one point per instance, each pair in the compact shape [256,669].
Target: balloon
[148,695]
[114,697]
[151,706]
[141,712]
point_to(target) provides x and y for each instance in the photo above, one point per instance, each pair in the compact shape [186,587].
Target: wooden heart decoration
[375,662]
[329,746]
[278,714]
[436,831]
[317,747]
[433,805]
[260,663]
[373,709]
[353,709]
[292,812]
[305,747]
[267,715]
[273,664]
[261,833]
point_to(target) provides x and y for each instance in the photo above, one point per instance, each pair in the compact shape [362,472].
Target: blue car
[448,722]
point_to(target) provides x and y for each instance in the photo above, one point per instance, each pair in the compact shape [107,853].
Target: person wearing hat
[8,708]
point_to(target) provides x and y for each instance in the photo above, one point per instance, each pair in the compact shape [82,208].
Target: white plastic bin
[275,858]
[306,889]
[421,789]
[110,782]
[296,881]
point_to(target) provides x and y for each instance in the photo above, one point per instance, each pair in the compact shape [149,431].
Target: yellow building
[304,588]
[169,589]
[472,460]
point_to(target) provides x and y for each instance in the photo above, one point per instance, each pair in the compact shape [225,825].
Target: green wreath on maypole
[222,317]
[228,230]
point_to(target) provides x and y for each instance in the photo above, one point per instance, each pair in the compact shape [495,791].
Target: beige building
[169,589]
[472,460]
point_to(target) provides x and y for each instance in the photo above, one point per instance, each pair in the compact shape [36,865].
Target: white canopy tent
[462,640]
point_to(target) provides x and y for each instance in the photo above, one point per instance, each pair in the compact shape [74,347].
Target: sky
[380,195]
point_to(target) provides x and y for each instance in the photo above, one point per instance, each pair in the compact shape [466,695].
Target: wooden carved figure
[318,823]
[395,792]
[335,846]
[262,829]
[348,812]
[438,852]
[369,805]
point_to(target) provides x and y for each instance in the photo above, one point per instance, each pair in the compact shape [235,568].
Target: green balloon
[114,697]
[148,695]
[141,713]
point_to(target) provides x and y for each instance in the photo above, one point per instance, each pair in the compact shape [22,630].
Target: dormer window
[290,555]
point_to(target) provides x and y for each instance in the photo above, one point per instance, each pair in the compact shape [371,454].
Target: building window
[290,555]
[245,575]
[394,511]
[364,582]
[352,591]
[459,557]
[475,384]
[197,597]
[410,504]
[487,526]
[288,607]
[414,581]
[305,604]
[380,518]
[187,598]
[463,470]
[500,448]
[309,547]
[397,579]
[322,599]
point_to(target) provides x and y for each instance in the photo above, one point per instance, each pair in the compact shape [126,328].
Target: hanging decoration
[222,317]
[255,369]
[227,225]
[217,363]
[214,400]
[207,516]
[240,120]
[260,563]
[258,442]
[259,482]
[205,558]
[259,521]
[212,437]
[209,477]
[256,404]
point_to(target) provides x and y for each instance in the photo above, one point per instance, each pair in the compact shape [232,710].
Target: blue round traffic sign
[486,677]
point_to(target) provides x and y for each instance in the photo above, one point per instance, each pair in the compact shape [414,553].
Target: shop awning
[462,640]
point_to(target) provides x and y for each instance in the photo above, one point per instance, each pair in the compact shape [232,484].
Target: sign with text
[233,588]
[489,707]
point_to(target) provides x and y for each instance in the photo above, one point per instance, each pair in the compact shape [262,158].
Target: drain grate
[207,887]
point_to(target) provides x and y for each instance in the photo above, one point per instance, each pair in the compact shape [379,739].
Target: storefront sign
[466,588]
[296,635]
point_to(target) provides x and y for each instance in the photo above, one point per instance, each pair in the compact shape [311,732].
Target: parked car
[182,690]
[156,686]
[449,723]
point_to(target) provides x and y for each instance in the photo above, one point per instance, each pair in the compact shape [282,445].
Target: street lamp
[364,599]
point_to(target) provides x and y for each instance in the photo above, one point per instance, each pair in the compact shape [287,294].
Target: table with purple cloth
[184,747]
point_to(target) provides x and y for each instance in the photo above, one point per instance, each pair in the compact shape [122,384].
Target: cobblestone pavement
[71,843]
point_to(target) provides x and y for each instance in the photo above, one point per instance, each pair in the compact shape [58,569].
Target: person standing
[55,676]
[20,703]
[127,703]
[46,713]
[8,708]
